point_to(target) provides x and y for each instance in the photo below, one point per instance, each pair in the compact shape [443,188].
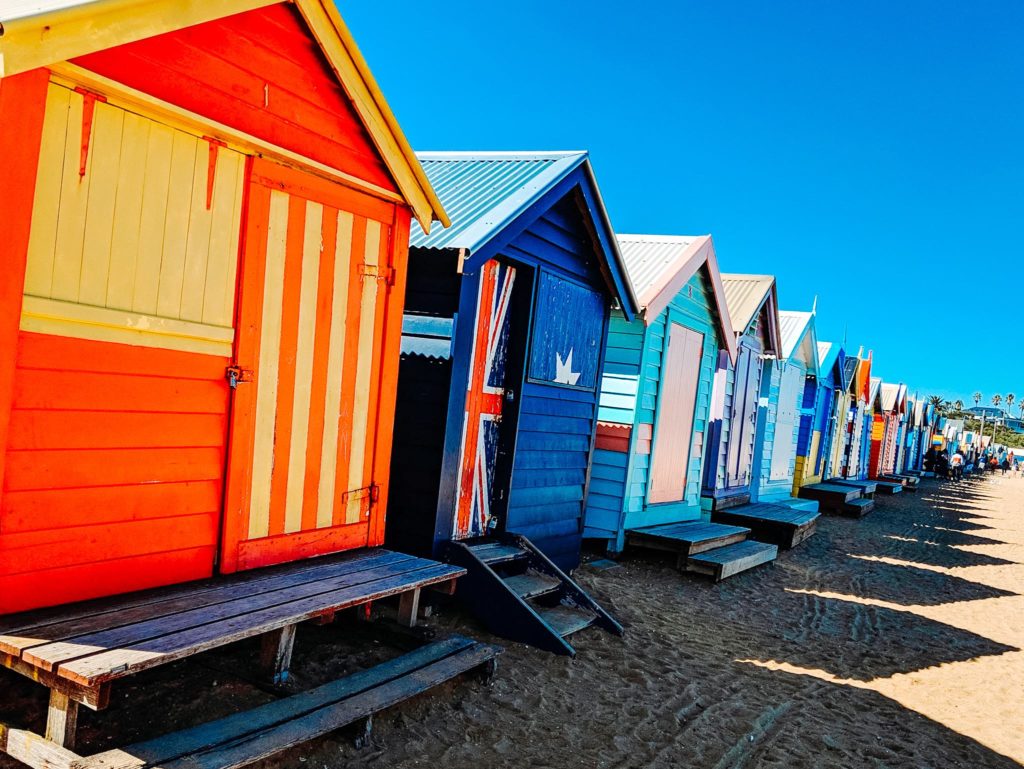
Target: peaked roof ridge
[498,155]
[795,325]
[658,266]
[746,295]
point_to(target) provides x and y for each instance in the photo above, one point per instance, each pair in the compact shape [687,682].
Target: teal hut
[656,391]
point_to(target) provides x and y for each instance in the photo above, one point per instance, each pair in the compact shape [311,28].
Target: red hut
[206,211]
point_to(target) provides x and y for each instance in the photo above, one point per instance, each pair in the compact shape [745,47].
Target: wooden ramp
[247,737]
[521,595]
[783,526]
[867,488]
[857,508]
[715,549]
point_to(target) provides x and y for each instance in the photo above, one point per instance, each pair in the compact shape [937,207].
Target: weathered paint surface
[733,427]
[779,428]
[630,390]
[259,72]
[128,441]
[304,472]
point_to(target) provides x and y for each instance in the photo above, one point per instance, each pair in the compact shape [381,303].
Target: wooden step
[778,525]
[867,488]
[858,508]
[730,560]
[495,552]
[687,538]
[887,487]
[565,620]
[532,584]
[829,493]
[246,737]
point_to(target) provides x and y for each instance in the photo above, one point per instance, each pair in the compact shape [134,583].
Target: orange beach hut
[206,212]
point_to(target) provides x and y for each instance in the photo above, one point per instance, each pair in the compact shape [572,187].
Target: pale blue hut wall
[766,488]
[619,482]
[752,339]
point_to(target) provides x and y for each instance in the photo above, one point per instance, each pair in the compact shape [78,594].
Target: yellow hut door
[303,459]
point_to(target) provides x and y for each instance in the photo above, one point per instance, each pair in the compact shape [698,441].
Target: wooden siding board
[207,69]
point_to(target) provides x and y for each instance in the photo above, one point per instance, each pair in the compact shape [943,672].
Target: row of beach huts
[248,337]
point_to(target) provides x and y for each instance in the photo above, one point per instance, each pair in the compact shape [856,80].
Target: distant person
[956,464]
[942,465]
[929,460]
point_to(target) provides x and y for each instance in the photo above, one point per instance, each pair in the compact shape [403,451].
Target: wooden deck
[686,539]
[867,488]
[78,651]
[249,736]
[780,525]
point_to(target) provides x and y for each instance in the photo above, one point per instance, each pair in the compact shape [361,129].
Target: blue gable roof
[493,197]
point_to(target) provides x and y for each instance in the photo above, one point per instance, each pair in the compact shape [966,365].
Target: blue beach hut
[502,353]
[728,471]
[655,401]
[781,397]
[818,415]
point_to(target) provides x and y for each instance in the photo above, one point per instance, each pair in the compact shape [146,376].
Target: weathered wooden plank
[108,614]
[276,653]
[93,698]
[35,751]
[49,656]
[277,725]
[117,663]
[61,719]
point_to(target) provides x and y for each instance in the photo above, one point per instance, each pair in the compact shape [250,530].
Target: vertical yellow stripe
[335,366]
[125,240]
[312,245]
[74,196]
[197,244]
[174,238]
[217,307]
[104,162]
[154,214]
[267,372]
[46,208]
[364,370]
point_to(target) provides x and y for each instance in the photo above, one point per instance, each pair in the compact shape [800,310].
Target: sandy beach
[894,641]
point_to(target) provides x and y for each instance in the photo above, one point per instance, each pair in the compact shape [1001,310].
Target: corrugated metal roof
[823,350]
[649,259]
[828,354]
[744,295]
[483,191]
[791,325]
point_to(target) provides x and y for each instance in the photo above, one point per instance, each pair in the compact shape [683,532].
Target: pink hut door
[743,419]
[676,405]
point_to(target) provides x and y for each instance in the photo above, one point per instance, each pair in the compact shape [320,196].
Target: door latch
[237,375]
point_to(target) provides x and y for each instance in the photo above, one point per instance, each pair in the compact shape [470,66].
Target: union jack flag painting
[485,396]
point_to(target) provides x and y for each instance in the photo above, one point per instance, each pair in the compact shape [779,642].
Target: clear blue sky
[870,153]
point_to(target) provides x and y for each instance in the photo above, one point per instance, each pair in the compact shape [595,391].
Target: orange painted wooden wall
[112,477]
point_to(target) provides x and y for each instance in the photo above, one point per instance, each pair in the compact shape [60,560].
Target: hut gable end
[260,72]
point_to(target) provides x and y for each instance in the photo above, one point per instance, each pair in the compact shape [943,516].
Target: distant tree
[997,399]
[958,405]
[937,402]
[977,398]
[1010,398]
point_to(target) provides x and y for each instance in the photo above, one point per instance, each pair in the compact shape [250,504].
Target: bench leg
[276,653]
[485,673]
[61,720]
[409,608]
[364,732]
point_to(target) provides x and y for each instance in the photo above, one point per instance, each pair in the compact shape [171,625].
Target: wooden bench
[264,731]
[79,651]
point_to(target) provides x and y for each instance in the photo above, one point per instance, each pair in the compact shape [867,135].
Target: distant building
[991,412]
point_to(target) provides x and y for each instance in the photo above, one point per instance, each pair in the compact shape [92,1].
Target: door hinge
[237,375]
[378,272]
[371,494]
